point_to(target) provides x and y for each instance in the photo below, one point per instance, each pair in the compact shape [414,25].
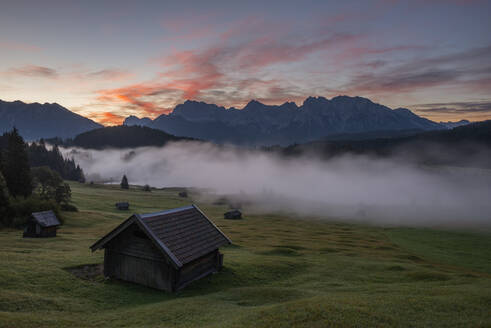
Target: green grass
[280,272]
[453,248]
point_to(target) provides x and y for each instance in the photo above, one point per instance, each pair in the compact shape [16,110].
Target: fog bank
[356,188]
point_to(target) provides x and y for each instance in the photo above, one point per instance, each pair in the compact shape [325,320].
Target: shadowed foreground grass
[280,272]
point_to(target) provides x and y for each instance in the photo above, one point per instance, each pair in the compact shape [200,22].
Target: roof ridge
[172,210]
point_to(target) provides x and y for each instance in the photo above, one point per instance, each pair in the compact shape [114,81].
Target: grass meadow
[281,271]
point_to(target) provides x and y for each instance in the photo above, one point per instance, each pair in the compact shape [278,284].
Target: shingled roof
[182,234]
[46,219]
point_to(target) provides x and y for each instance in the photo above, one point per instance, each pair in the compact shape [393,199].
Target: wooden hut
[123,206]
[233,215]
[42,224]
[165,250]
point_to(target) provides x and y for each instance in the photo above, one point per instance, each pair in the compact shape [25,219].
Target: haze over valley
[353,188]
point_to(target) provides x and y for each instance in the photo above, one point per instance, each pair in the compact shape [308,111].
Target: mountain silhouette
[258,124]
[35,121]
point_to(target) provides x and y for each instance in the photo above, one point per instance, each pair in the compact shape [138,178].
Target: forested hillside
[468,145]
[121,137]
[41,155]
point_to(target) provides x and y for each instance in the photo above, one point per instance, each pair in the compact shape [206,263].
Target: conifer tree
[124,183]
[4,196]
[16,169]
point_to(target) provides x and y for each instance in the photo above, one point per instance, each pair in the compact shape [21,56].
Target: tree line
[31,179]
[119,137]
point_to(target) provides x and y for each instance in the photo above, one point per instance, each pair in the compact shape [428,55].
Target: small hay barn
[233,215]
[42,224]
[165,250]
[123,206]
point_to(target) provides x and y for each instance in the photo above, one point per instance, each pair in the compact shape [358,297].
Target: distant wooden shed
[42,224]
[165,250]
[123,206]
[233,215]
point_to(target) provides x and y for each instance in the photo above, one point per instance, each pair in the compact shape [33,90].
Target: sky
[107,60]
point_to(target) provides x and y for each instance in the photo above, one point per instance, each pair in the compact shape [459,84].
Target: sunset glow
[108,61]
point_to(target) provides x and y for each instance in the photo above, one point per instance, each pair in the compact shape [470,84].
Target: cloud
[134,95]
[192,71]
[268,51]
[468,69]
[455,107]
[33,71]
[107,118]
[109,74]
[397,81]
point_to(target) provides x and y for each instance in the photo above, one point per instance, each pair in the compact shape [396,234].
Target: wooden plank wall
[132,258]
[146,272]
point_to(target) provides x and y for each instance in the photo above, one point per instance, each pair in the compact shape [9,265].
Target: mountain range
[35,121]
[258,124]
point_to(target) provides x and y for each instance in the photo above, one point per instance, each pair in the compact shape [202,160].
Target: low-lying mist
[357,188]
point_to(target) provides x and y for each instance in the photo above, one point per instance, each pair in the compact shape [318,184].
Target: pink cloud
[109,74]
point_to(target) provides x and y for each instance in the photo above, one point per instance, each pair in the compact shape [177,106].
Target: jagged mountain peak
[254,104]
[313,100]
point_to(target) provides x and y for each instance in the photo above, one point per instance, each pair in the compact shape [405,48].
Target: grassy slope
[281,272]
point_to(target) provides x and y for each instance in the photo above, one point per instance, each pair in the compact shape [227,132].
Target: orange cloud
[133,95]
[107,118]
